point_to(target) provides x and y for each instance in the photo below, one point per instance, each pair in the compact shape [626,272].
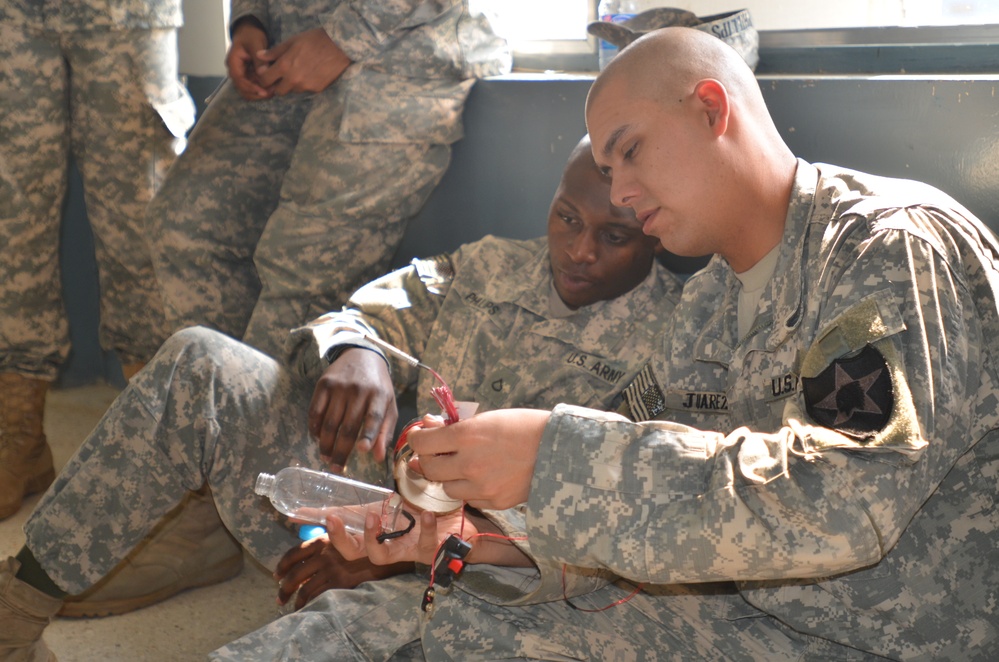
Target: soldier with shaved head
[814,476]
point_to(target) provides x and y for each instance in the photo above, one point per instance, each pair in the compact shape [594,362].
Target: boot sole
[39,483]
[225,569]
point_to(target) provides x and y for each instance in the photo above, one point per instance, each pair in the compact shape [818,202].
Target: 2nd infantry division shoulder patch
[854,395]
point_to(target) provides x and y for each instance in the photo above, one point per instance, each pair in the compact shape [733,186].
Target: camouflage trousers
[378,620]
[111,101]
[681,623]
[269,220]
[382,621]
[206,409]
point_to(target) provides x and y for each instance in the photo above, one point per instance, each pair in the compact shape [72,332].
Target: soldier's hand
[306,62]
[487,460]
[353,405]
[315,566]
[418,545]
[241,61]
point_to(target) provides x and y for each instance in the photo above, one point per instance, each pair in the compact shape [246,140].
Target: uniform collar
[617,316]
[788,282]
[782,303]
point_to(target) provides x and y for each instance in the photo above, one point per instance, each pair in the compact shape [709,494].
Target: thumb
[271,54]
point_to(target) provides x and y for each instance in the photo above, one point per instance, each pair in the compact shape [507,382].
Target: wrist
[243,21]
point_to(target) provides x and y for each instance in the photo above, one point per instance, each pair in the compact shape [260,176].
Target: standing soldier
[333,129]
[96,81]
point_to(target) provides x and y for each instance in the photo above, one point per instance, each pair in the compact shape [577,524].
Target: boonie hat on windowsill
[735,28]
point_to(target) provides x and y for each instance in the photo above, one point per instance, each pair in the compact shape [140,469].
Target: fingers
[386,431]
[273,72]
[297,554]
[434,438]
[353,422]
[349,546]
[353,404]
[297,566]
[241,71]
[312,588]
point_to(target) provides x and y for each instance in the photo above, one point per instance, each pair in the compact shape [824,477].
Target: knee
[196,342]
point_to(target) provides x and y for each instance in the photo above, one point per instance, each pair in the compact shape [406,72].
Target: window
[551,34]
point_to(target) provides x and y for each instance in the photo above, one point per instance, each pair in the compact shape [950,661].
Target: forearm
[250,9]
[399,308]
[693,506]
[492,545]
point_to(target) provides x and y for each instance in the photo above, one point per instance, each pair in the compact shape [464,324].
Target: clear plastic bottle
[308,496]
[614,11]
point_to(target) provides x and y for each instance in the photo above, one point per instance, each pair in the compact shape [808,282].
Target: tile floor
[186,627]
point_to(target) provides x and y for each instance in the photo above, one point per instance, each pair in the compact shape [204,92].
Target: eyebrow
[613,140]
[564,201]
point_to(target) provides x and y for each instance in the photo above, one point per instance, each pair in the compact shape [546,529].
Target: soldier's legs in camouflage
[207,217]
[34,334]
[121,80]
[711,622]
[343,211]
[378,620]
[205,409]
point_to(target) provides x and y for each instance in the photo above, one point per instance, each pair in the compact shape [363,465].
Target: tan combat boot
[25,456]
[189,548]
[24,613]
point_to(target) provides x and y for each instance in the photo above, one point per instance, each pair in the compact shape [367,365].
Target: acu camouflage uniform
[840,463]
[208,408]
[282,207]
[95,80]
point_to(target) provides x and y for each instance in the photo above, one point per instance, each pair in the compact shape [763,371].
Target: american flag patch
[644,396]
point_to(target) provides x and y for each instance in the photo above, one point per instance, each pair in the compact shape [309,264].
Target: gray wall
[519,132]
[520,129]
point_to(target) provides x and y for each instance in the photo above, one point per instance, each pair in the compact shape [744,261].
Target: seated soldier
[506,323]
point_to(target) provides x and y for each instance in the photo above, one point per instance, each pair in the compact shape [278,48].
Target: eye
[629,153]
[615,239]
[567,219]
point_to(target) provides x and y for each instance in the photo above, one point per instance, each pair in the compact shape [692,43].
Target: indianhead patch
[853,395]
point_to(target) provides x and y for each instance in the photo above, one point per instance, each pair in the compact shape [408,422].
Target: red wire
[565,597]
[445,399]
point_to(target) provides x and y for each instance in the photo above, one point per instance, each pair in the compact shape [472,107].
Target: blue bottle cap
[310,531]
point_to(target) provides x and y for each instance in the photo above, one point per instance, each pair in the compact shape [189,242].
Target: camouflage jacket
[839,462]
[474,315]
[480,317]
[65,15]
[414,60]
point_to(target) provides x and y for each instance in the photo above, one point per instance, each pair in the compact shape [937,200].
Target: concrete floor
[186,627]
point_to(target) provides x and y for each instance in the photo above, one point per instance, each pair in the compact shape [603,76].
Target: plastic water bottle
[614,11]
[308,496]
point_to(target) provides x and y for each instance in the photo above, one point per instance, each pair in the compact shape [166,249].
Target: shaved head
[679,123]
[665,65]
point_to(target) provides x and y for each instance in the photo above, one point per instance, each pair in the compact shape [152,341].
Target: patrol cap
[735,28]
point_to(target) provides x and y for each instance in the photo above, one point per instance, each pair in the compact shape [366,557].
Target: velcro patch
[644,396]
[854,395]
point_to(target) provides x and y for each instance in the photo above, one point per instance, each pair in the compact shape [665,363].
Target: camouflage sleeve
[364,28]
[548,582]
[399,308]
[255,8]
[826,492]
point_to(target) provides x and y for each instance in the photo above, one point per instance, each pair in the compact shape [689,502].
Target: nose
[582,249]
[623,190]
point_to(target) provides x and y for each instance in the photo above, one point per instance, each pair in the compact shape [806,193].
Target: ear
[714,101]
